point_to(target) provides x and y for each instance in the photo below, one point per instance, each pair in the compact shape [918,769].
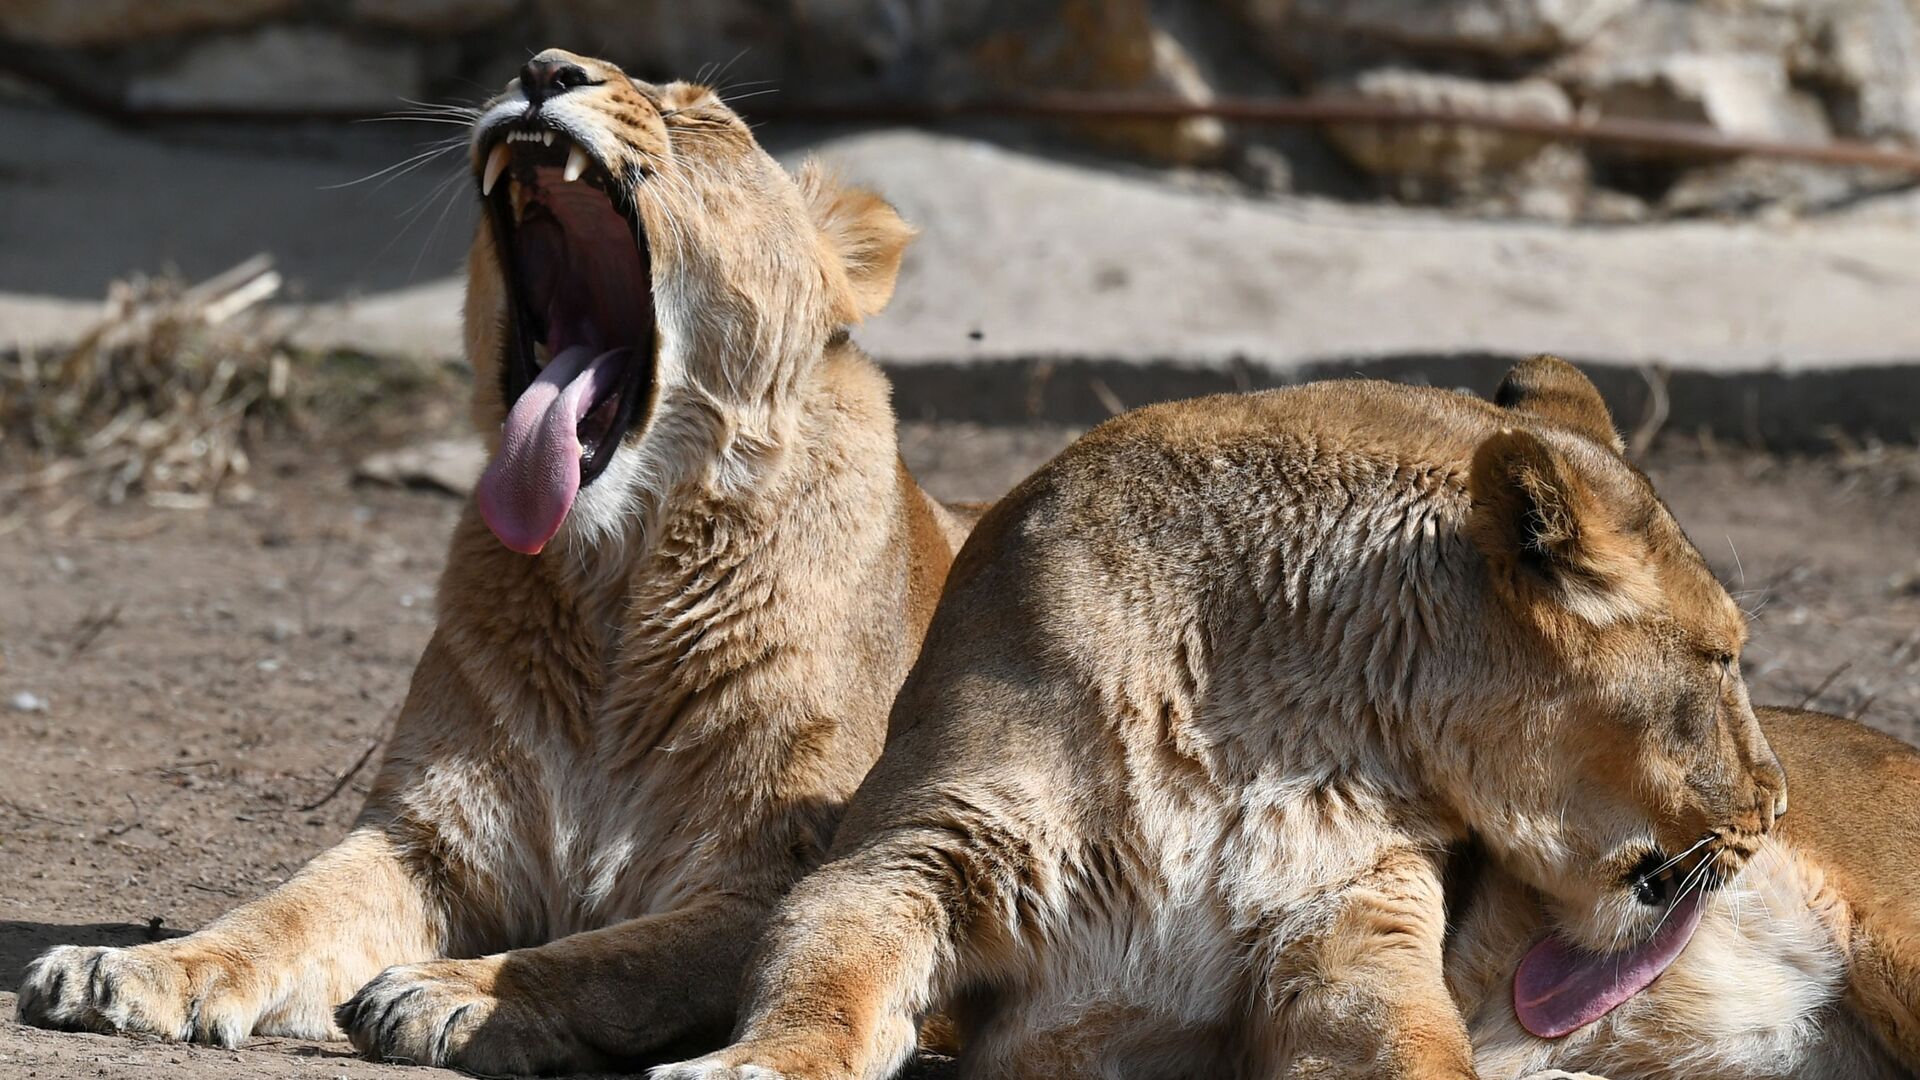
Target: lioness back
[1204,702]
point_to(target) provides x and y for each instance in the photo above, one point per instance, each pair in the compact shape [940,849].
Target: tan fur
[618,754]
[1806,966]
[1206,700]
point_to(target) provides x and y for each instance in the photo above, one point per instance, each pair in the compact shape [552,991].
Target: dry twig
[340,783]
[159,398]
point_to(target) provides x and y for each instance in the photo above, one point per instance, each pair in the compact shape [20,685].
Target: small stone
[26,701]
[449,465]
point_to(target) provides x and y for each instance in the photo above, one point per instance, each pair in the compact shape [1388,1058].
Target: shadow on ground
[20,942]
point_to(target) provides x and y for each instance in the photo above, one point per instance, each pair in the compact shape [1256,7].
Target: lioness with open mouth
[1805,967]
[1207,701]
[619,752]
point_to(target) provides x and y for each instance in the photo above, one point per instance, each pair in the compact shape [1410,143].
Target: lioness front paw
[447,1013]
[174,990]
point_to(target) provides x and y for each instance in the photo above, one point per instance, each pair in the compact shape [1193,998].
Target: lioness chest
[1165,938]
[634,812]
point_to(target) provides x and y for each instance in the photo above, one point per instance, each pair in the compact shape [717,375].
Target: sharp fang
[576,164]
[547,137]
[496,163]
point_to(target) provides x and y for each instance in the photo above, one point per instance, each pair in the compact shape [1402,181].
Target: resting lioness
[617,754]
[1806,966]
[1206,701]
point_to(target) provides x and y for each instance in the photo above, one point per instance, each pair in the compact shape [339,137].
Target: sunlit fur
[1205,703]
[642,736]
[1805,967]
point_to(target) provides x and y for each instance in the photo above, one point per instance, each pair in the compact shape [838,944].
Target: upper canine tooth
[547,137]
[496,162]
[576,163]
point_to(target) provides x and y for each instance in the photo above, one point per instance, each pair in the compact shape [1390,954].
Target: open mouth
[1561,987]
[579,369]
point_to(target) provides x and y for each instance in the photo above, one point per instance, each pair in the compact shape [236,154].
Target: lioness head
[1629,773]
[648,290]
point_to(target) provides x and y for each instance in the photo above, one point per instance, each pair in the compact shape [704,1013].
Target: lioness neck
[715,578]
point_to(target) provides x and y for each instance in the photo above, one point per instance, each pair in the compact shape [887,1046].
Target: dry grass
[1881,468]
[160,400]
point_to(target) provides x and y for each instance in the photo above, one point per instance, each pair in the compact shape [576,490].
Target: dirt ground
[184,695]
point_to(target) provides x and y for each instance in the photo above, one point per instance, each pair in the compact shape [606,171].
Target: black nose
[543,78]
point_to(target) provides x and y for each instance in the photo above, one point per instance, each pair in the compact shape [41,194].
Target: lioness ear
[1554,390]
[863,232]
[1541,526]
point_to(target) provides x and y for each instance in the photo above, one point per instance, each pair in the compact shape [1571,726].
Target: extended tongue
[1560,988]
[530,485]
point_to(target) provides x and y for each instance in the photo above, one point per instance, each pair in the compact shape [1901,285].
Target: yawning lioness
[671,622]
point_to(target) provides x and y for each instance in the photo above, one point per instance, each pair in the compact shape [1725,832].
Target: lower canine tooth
[576,164]
[496,163]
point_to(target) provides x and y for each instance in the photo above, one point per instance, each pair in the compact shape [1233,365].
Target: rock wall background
[1776,69]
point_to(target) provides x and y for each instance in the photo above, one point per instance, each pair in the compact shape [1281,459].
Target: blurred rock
[117,22]
[947,50]
[1316,40]
[1866,61]
[1724,65]
[294,67]
[662,38]
[1506,27]
[1100,46]
[432,16]
[1448,151]
[1265,168]
[1749,186]
[1607,207]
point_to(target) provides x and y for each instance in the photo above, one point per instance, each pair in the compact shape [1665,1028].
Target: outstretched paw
[177,990]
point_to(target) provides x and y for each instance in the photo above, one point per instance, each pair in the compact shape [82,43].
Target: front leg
[1366,997]
[276,966]
[591,1001]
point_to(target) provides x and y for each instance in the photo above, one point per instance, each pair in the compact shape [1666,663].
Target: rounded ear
[863,232]
[1527,505]
[1545,532]
[1553,390]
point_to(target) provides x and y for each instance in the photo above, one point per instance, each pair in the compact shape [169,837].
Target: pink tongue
[1560,988]
[528,488]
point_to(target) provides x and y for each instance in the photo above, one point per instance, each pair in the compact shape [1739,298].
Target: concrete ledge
[1775,410]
